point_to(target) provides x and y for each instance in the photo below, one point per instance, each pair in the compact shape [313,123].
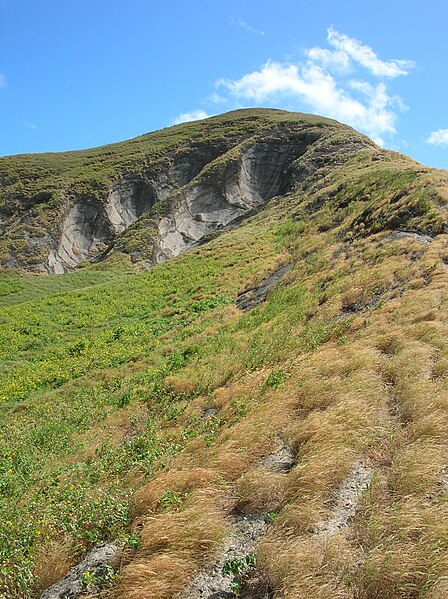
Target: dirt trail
[247,530]
[346,500]
[249,299]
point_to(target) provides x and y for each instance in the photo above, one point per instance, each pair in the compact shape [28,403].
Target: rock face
[251,298]
[85,231]
[127,201]
[95,563]
[159,207]
[222,196]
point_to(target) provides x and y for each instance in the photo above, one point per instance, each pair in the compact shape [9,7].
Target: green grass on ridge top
[100,165]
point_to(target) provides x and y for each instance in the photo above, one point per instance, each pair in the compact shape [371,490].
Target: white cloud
[29,125]
[193,115]
[2,81]
[321,84]
[215,98]
[366,57]
[315,86]
[329,58]
[346,81]
[439,137]
[243,25]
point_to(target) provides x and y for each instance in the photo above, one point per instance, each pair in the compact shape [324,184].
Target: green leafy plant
[98,578]
[275,379]
[239,569]
[171,500]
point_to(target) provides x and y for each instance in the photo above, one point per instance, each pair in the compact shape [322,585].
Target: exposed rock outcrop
[183,212]
[156,196]
[250,298]
[95,564]
[225,193]
[85,232]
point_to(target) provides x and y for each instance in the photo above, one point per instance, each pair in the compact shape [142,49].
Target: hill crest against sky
[85,74]
[154,196]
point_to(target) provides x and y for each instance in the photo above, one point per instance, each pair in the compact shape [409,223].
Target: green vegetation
[239,568]
[90,581]
[69,360]
[137,406]
[16,289]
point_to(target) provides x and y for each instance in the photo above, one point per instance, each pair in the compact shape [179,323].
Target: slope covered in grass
[148,409]
[38,191]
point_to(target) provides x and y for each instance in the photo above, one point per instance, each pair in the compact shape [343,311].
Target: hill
[155,196]
[238,387]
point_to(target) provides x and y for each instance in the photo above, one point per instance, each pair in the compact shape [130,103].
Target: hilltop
[238,385]
[155,196]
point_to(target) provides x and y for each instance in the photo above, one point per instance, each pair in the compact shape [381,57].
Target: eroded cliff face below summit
[158,208]
[225,195]
[182,212]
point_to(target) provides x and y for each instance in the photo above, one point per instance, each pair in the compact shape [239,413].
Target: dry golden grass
[259,491]
[439,590]
[417,468]
[52,562]
[406,546]
[180,385]
[305,567]
[159,577]
[130,419]
[380,397]
[174,545]
[359,293]
[251,437]
[440,368]
[147,498]
[193,530]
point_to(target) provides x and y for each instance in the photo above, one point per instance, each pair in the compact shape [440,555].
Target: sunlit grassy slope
[106,374]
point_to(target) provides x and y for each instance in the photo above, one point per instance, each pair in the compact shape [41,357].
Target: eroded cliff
[156,196]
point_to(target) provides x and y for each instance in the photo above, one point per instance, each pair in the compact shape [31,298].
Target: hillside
[239,385]
[155,196]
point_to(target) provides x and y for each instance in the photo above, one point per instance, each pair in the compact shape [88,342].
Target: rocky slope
[154,197]
[262,416]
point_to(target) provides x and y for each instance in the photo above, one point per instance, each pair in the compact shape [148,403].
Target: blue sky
[82,73]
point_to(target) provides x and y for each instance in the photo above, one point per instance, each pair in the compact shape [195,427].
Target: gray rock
[209,413]
[280,461]
[128,199]
[346,500]
[249,299]
[422,239]
[211,581]
[85,231]
[69,587]
[199,201]
[226,193]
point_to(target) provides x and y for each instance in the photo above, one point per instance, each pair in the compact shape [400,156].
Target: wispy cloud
[29,125]
[243,25]
[334,60]
[2,81]
[215,98]
[350,48]
[439,137]
[193,115]
[326,84]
